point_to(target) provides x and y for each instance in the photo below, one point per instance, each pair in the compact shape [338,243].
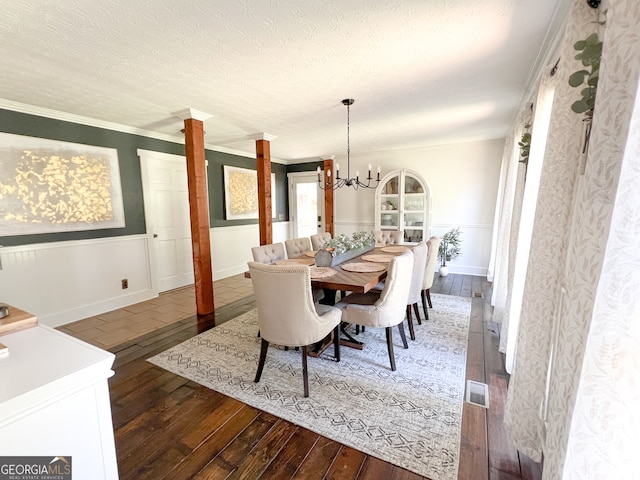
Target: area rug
[410,417]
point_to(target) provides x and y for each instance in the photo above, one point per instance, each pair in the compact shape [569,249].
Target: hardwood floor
[167,427]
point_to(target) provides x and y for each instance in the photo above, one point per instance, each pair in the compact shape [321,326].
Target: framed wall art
[51,186]
[241,193]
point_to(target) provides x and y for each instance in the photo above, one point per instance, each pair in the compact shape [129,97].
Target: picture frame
[241,193]
[51,186]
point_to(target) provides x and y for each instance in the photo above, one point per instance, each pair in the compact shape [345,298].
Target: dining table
[359,275]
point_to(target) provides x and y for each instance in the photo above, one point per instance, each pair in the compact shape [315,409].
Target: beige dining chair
[417,279]
[269,253]
[294,321]
[319,239]
[388,236]
[385,309]
[429,273]
[297,246]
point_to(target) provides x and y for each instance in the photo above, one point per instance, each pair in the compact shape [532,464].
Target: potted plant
[449,249]
[342,248]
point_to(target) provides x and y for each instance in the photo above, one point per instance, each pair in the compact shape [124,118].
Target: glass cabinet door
[389,204]
[402,204]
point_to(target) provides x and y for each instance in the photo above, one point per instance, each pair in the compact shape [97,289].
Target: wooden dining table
[348,281]
[358,282]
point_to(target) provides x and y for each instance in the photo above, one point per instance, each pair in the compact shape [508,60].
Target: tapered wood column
[328,198]
[263,167]
[199,210]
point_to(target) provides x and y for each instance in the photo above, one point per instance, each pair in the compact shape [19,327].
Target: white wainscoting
[476,244]
[63,282]
[475,248]
[231,247]
[349,226]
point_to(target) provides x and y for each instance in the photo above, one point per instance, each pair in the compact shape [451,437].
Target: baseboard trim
[58,319]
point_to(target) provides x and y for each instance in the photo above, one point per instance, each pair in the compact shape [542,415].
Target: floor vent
[477,394]
[478,295]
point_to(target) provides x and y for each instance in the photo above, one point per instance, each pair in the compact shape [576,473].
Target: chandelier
[349,181]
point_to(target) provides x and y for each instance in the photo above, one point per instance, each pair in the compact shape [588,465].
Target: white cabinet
[403,203]
[54,401]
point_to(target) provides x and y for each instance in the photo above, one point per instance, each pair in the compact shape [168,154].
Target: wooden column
[263,167]
[199,210]
[328,198]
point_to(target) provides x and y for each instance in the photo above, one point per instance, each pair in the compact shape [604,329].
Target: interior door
[305,205]
[166,196]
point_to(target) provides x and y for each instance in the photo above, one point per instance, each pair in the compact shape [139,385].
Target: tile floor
[118,326]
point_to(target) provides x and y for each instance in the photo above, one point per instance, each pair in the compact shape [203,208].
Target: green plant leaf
[580,44]
[592,52]
[586,92]
[580,106]
[592,39]
[577,78]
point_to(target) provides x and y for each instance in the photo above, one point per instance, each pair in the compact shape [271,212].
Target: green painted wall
[127,146]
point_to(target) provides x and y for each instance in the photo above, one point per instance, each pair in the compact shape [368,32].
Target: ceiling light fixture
[349,181]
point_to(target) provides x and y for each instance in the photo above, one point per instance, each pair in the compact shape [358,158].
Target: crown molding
[548,50]
[262,136]
[188,113]
[117,127]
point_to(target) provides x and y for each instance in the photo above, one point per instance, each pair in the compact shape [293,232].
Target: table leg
[329,297]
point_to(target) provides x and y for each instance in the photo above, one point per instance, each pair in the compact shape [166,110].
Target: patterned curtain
[586,433]
[594,393]
[509,218]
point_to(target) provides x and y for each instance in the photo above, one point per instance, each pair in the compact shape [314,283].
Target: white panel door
[167,216]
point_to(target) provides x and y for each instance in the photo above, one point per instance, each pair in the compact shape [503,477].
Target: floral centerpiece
[342,243]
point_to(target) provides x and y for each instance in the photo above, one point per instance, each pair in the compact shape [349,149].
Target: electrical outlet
[125,283]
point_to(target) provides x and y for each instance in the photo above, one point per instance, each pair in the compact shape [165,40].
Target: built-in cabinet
[403,203]
[54,400]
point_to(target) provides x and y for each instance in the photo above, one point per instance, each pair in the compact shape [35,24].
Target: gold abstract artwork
[62,189]
[243,192]
[54,189]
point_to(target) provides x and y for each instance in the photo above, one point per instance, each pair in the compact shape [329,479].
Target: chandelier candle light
[349,181]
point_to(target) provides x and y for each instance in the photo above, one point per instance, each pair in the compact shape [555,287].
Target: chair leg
[402,335]
[263,357]
[410,321]
[417,310]
[305,374]
[429,297]
[392,357]
[336,342]
[423,296]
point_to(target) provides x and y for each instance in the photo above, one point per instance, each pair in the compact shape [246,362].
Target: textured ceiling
[422,72]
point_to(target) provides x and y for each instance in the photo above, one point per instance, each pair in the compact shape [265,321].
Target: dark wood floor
[167,427]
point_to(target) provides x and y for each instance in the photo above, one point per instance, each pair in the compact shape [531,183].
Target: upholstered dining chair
[269,253]
[388,236]
[294,321]
[319,239]
[430,270]
[297,246]
[417,279]
[385,309]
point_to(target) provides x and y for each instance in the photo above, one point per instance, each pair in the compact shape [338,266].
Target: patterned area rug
[410,417]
